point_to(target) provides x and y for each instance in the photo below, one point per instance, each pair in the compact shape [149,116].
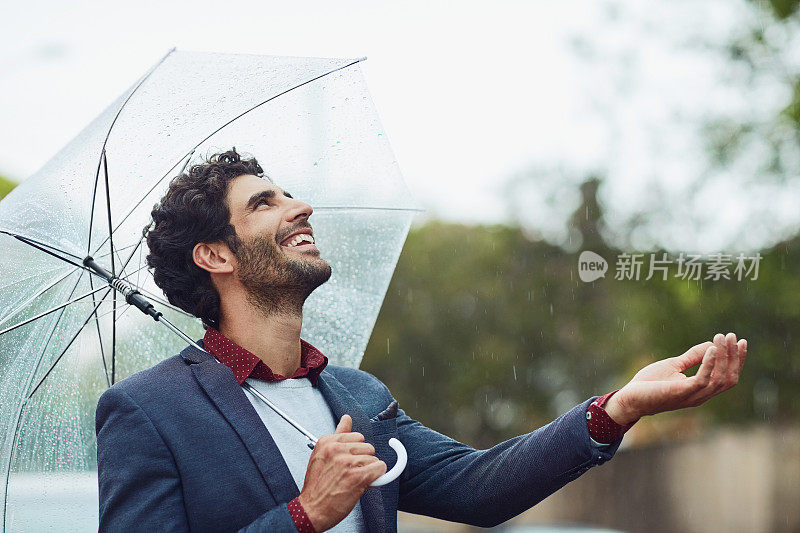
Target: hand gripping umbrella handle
[397,469]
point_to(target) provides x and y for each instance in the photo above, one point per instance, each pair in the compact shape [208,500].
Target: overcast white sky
[470,93]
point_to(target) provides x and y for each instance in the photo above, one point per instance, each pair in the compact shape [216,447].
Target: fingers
[732,376]
[342,437]
[719,376]
[345,424]
[343,431]
[360,460]
[742,346]
[361,448]
[720,369]
[365,468]
[373,471]
[703,377]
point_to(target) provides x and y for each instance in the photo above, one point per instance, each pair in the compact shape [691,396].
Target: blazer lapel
[342,402]
[220,385]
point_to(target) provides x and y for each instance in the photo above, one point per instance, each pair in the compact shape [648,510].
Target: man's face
[278,263]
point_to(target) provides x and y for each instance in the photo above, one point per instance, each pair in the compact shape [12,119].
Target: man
[181,446]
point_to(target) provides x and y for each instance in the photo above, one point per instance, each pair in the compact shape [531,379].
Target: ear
[214,257]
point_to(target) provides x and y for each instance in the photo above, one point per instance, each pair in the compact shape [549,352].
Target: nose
[298,210]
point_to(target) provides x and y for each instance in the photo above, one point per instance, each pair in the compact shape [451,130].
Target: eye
[258,203]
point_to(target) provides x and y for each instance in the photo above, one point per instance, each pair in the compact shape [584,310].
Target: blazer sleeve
[452,481]
[139,482]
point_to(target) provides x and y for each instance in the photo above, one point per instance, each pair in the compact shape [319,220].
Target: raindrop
[515,371]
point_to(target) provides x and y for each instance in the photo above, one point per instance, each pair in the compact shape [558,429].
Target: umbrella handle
[397,469]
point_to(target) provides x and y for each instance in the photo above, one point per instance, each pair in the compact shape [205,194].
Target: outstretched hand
[663,386]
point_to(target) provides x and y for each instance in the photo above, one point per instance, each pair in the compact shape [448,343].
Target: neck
[274,338]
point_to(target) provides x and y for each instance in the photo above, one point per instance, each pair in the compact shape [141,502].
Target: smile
[298,239]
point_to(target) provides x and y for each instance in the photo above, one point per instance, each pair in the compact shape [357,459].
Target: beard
[275,283]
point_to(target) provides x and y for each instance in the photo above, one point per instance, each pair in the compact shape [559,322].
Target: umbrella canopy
[65,336]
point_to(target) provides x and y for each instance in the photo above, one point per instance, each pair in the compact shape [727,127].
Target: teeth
[302,237]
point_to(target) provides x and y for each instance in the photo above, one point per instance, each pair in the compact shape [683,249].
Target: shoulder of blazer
[170,376]
[368,390]
[354,377]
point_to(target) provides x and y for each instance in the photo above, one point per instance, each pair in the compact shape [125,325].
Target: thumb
[692,357]
[345,424]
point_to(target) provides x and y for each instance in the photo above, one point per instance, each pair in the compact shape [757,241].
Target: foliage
[766,136]
[6,186]
[485,334]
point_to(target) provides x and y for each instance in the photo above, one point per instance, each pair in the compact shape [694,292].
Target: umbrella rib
[80,266]
[185,164]
[118,250]
[40,292]
[164,302]
[113,336]
[5,284]
[188,155]
[129,274]
[94,195]
[142,290]
[98,316]
[25,402]
[108,210]
[99,335]
[44,249]
[139,270]
[108,134]
[52,366]
[51,310]
[32,242]
[365,208]
[130,256]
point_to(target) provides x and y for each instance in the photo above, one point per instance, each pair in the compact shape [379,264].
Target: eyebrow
[263,195]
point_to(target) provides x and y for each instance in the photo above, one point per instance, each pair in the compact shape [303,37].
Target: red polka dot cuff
[300,518]
[602,428]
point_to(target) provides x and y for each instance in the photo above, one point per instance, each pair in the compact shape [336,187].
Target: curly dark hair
[194,210]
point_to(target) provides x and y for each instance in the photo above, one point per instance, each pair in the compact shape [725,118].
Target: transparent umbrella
[66,335]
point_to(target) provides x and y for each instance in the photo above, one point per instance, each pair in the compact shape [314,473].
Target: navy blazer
[181,448]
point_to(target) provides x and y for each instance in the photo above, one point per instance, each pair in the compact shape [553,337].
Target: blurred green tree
[6,186]
[486,334]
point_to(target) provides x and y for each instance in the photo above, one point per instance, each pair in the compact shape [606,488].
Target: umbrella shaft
[312,439]
[298,427]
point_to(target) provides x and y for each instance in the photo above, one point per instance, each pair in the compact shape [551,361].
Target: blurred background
[531,132]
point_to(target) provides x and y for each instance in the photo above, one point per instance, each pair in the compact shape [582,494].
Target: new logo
[591,266]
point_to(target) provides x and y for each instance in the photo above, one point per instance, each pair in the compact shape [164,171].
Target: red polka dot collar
[245,364]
